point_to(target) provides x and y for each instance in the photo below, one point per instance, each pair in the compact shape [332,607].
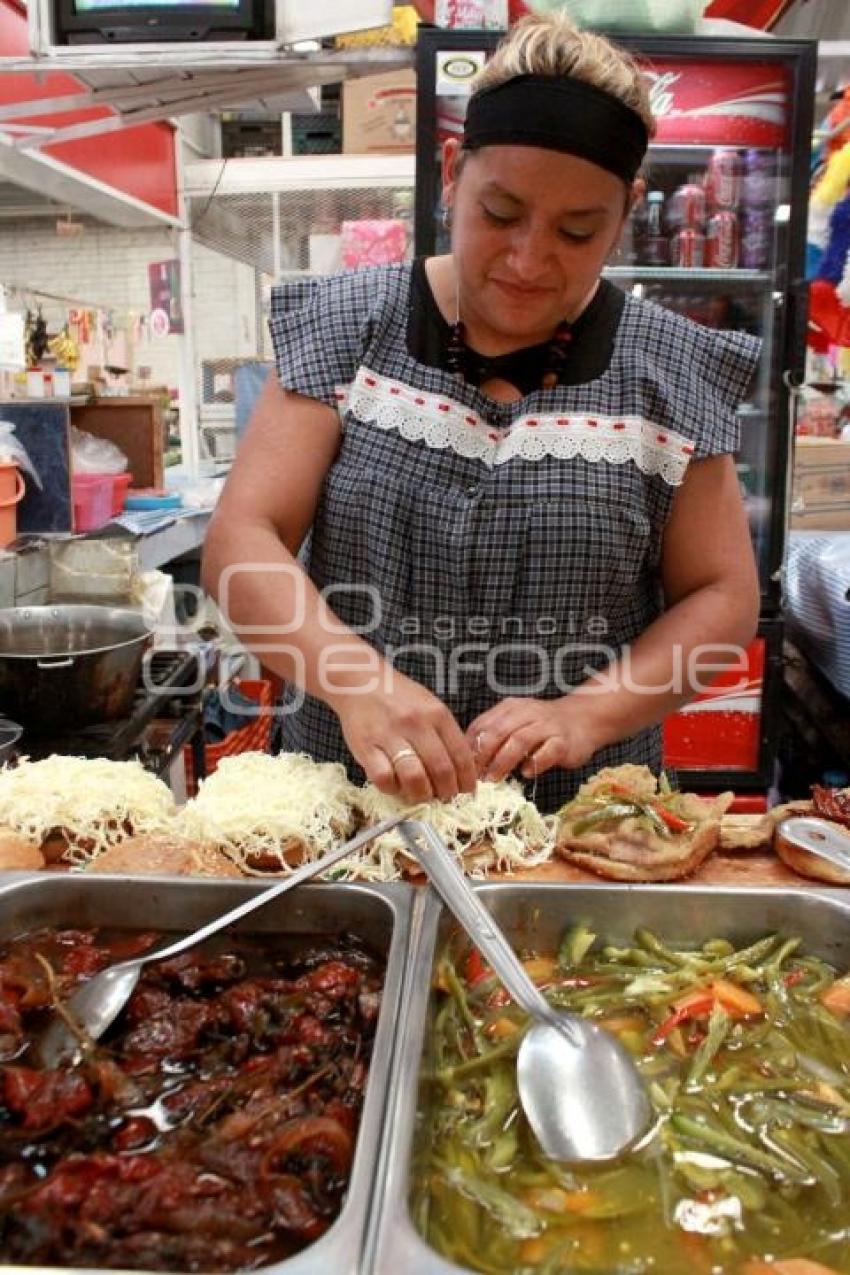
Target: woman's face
[531,230]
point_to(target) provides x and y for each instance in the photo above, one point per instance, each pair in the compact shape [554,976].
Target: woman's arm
[249,566]
[711,589]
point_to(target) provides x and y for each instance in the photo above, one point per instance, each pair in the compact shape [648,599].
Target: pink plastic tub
[92,498]
[120,485]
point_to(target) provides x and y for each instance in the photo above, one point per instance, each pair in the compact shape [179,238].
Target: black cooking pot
[67,666]
[10,733]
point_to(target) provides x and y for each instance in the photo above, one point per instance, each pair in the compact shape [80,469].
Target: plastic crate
[319,134]
[254,736]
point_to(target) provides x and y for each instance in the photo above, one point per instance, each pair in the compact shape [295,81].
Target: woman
[526,523]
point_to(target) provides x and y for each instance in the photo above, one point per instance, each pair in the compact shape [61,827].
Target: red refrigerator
[720,238]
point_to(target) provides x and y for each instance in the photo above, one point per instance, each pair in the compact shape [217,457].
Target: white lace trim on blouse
[444,424]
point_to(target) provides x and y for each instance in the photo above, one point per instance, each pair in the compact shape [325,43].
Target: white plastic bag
[93,455]
[12,449]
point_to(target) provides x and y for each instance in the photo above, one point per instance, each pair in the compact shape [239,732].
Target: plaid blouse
[496,549]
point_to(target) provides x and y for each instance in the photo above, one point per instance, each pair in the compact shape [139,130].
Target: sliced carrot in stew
[737,1001]
[540,969]
[837,997]
[501,1029]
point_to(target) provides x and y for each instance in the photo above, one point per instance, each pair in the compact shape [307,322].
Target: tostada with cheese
[271,813]
[74,808]
[493,828]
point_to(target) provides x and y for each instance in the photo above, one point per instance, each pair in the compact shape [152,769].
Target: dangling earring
[456,348]
[446,217]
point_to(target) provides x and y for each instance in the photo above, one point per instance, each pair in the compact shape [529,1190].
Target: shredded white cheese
[265,811]
[92,802]
[493,828]
[255,803]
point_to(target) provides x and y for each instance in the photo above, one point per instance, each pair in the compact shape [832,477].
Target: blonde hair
[551,44]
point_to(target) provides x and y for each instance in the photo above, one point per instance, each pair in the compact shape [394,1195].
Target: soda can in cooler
[654,251]
[725,178]
[687,248]
[722,240]
[756,238]
[654,213]
[686,207]
[759,184]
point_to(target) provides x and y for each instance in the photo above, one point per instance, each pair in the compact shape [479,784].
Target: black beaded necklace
[461,359]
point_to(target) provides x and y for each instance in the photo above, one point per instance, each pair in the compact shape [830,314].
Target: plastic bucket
[12,488]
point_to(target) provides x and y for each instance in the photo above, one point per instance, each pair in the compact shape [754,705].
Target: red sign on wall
[164,281]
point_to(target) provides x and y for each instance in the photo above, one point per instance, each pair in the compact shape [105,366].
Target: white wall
[225,306]
[108,267]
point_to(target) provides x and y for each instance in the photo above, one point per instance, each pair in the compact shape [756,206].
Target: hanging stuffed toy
[36,338]
[834,260]
[829,258]
[837,124]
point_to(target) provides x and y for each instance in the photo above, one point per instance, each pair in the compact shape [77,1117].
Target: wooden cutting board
[758,868]
[729,868]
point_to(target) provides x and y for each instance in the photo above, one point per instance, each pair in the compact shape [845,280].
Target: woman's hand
[534,734]
[407,741]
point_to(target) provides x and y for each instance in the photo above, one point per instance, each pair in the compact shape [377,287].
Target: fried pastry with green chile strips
[626,825]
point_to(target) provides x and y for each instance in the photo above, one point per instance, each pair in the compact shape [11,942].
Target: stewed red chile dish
[212,1128]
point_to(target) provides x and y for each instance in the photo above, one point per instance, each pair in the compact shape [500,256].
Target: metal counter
[535,916]
[380,915]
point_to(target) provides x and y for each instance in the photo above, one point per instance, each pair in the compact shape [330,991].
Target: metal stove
[166,715]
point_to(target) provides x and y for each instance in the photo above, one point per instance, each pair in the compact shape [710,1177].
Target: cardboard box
[820,493]
[821,453]
[379,114]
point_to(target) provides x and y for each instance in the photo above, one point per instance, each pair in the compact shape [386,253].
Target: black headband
[559,114]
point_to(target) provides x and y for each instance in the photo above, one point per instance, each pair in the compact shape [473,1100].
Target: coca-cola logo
[744,102]
[660,90]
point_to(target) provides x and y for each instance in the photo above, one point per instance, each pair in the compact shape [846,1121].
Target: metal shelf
[687,151]
[287,174]
[676,274]
[183,80]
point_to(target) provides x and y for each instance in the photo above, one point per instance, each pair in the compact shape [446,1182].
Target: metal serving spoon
[820,837]
[95,1004]
[579,1088]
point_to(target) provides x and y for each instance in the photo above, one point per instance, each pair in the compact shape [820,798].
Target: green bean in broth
[747,1057]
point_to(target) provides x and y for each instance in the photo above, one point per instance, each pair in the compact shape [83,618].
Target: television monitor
[156,21]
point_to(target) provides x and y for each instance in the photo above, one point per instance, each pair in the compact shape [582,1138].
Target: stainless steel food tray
[381,915]
[535,916]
